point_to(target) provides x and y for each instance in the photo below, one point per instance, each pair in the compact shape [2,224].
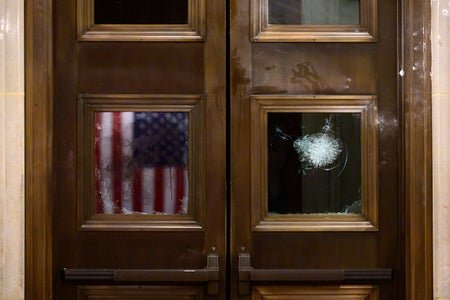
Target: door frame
[415,122]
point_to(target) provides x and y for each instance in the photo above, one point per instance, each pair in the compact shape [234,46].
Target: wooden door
[315,150]
[139,139]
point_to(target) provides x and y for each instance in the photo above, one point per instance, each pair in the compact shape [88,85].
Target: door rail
[208,275]
[247,274]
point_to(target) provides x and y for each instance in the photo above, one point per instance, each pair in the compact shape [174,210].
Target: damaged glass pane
[314,163]
[314,12]
[140,12]
[141,162]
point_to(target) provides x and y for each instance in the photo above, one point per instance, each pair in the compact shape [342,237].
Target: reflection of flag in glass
[141,162]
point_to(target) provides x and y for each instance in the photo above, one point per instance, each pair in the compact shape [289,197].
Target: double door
[197,162]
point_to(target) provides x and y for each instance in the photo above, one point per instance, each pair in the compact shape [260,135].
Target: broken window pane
[141,162]
[314,163]
[314,12]
[140,12]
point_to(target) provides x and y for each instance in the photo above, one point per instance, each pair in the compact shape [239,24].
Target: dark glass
[141,162]
[314,12]
[140,11]
[314,163]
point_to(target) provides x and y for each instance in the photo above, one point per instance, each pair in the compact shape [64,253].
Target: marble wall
[11,149]
[441,146]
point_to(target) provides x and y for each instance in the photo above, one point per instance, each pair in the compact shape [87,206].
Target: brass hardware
[209,275]
[247,274]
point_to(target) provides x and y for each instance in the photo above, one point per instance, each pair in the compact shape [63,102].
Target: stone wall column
[441,146]
[11,149]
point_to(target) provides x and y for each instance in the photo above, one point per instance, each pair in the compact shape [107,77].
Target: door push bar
[247,274]
[208,275]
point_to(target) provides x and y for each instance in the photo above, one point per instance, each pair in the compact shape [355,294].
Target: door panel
[144,67]
[107,223]
[314,68]
[316,292]
[139,292]
[272,67]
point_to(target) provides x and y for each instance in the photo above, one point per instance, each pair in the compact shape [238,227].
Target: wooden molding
[193,105]
[263,31]
[194,30]
[366,107]
[38,149]
[417,147]
[129,292]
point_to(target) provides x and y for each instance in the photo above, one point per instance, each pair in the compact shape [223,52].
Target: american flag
[141,162]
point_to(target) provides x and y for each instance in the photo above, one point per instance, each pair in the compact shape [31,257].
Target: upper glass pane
[140,12]
[141,162]
[314,163]
[314,12]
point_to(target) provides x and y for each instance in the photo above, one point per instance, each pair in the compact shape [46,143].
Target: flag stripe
[180,193]
[117,162]
[126,133]
[159,185]
[97,171]
[170,182]
[105,160]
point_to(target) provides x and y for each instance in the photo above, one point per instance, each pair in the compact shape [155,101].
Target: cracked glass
[314,163]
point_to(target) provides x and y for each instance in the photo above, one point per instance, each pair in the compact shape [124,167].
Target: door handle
[208,275]
[247,274]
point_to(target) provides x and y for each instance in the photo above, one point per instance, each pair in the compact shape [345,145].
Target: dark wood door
[139,110]
[315,140]
[140,150]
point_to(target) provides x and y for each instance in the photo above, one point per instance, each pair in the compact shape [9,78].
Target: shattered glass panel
[141,162]
[140,12]
[314,12]
[314,163]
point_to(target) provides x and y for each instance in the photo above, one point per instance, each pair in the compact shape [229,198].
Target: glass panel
[140,12]
[314,12]
[314,163]
[141,162]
